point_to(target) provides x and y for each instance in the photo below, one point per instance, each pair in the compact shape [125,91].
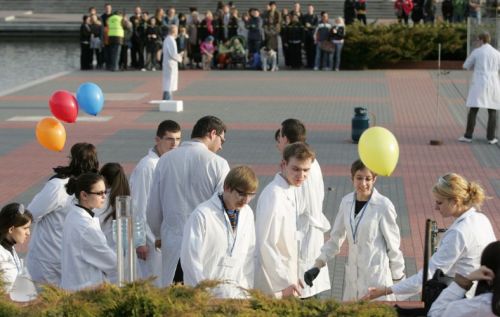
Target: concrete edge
[33,83]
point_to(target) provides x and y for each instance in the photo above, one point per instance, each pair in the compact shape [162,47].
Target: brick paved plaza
[253,104]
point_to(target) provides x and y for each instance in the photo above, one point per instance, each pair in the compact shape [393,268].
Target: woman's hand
[374,292]
[481,274]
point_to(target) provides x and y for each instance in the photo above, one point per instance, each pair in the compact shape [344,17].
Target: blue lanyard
[229,227]
[354,230]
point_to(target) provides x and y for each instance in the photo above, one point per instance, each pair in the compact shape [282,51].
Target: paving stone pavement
[253,104]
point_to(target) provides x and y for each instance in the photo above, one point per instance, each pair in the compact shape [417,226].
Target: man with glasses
[219,237]
[168,137]
[311,223]
[277,269]
[183,179]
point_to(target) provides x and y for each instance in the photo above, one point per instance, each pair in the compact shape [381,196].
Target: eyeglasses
[243,194]
[101,193]
[222,140]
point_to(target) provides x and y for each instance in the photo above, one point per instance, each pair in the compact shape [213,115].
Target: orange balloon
[51,134]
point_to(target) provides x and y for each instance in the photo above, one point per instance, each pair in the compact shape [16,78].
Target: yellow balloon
[51,134]
[379,150]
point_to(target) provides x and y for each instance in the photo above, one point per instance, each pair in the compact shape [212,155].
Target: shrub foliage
[376,45]
[144,300]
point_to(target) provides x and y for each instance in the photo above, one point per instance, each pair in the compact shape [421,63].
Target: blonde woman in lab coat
[15,224]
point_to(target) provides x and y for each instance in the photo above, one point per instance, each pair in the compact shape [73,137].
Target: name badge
[228,261]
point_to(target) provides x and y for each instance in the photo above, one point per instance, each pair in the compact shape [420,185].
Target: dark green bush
[377,45]
[144,300]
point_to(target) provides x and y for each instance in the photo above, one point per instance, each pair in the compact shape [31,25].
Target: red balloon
[64,106]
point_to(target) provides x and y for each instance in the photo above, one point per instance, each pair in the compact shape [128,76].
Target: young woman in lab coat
[49,208]
[116,185]
[460,248]
[15,224]
[368,220]
[87,260]
[486,302]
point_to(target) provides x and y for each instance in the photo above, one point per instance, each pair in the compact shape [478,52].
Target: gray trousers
[471,123]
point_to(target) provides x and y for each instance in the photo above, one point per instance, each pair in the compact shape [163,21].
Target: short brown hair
[358,165]
[300,150]
[242,178]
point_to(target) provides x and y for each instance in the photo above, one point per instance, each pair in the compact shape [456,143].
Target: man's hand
[291,291]
[310,276]
[374,293]
[142,252]
[158,244]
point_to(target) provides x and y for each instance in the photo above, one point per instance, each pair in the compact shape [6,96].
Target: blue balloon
[90,98]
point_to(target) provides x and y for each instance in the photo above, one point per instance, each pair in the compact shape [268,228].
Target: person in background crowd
[137,40]
[207,52]
[182,44]
[15,223]
[403,10]
[127,43]
[254,27]
[322,34]
[268,59]
[460,248]
[87,260]
[219,238]
[360,9]
[430,11]
[272,26]
[182,19]
[116,34]
[367,219]
[85,50]
[153,40]
[49,209]
[171,60]
[104,20]
[349,11]
[193,51]
[171,18]
[447,10]
[285,23]
[484,90]
[310,22]
[296,10]
[338,34]
[207,27]
[168,137]
[96,44]
[459,10]
[295,36]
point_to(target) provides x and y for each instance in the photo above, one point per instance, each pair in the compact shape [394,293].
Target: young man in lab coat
[219,237]
[277,270]
[168,137]
[311,223]
[171,59]
[183,179]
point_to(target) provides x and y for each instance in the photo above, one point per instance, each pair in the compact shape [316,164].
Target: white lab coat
[312,224]
[87,260]
[140,187]
[211,250]
[277,237]
[10,267]
[484,90]
[184,178]
[451,303]
[374,258]
[49,208]
[459,250]
[170,64]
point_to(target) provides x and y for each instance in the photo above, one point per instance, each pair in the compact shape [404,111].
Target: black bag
[433,287]
[430,292]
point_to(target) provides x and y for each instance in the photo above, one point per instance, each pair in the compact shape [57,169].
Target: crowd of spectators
[228,38]
[224,38]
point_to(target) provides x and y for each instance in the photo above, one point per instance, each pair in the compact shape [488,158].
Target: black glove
[310,275]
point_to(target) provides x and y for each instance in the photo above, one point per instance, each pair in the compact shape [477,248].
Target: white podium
[169,105]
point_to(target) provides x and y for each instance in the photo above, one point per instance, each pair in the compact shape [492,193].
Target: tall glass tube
[125,250]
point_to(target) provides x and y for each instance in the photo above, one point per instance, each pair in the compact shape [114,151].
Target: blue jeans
[338,52]
[167,95]
[323,59]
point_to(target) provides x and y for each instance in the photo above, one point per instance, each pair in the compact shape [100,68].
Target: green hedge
[140,299]
[376,45]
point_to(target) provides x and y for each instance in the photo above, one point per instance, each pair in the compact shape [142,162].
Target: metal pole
[437,142]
